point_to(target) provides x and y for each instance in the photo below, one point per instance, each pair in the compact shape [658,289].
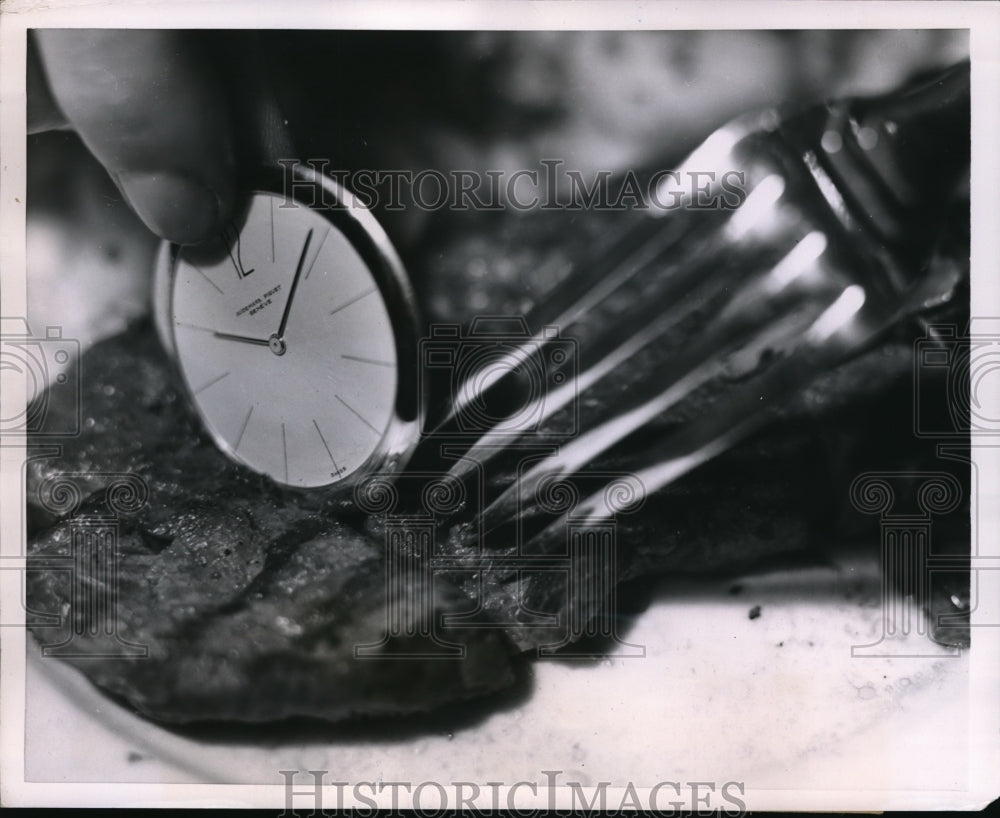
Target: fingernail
[173,207]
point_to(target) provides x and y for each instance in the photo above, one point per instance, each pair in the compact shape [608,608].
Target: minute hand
[295,283]
[242,338]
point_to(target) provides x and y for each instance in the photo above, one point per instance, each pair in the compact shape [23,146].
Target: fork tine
[626,258]
[798,192]
[712,434]
[623,347]
[767,313]
[685,284]
[631,252]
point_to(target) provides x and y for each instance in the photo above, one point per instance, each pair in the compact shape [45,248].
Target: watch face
[286,343]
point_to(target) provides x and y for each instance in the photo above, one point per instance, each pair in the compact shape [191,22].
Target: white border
[983,20]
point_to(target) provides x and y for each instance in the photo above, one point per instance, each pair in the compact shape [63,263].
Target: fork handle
[896,161]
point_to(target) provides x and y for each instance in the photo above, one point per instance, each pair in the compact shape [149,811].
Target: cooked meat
[251,600]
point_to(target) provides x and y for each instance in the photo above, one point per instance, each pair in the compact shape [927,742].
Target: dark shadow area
[389,729]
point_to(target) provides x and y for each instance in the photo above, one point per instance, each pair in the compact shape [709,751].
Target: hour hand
[241,338]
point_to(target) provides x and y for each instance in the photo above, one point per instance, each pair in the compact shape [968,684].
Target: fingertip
[151,109]
[176,208]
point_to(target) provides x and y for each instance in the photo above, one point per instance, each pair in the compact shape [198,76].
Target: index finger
[148,106]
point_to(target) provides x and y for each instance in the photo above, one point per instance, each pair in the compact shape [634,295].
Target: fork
[743,308]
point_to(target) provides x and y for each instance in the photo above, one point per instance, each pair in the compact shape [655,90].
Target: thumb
[155,116]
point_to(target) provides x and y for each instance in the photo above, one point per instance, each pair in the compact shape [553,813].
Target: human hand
[151,110]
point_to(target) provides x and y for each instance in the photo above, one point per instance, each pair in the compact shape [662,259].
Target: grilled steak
[250,602]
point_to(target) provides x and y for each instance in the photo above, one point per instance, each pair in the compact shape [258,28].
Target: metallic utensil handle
[841,219]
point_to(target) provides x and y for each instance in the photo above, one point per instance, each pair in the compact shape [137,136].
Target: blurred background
[599,101]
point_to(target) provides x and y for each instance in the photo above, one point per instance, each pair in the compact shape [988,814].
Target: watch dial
[286,344]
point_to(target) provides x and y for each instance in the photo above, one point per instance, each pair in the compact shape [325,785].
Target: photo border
[983,22]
